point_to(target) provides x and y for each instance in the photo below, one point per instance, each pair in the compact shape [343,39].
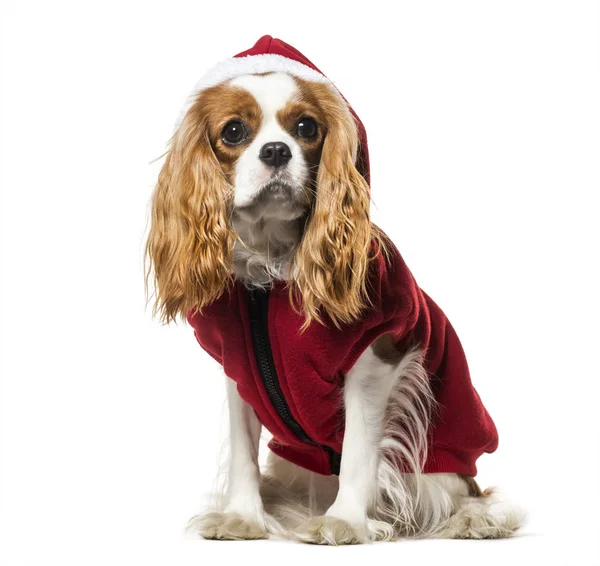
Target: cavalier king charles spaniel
[261,193]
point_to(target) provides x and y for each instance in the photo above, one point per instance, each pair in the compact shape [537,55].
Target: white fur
[440,504]
[249,65]
[388,408]
[243,516]
[484,517]
[366,392]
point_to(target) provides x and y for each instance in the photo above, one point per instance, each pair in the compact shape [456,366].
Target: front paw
[226,526]
[334,531]
[330,530]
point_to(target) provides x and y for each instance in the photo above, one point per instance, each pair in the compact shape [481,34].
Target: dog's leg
[292,495]
[366,393]
[243,517]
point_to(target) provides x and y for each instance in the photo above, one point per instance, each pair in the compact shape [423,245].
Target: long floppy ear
[331,264]
[189,244]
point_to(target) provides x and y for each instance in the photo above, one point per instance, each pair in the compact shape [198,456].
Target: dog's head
[263,146]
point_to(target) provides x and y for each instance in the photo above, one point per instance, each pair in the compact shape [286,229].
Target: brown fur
[190,241]
[305,104]
[330,266]
[473,486]
[385,349]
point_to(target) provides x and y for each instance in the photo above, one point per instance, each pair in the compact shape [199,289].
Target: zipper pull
[252,294]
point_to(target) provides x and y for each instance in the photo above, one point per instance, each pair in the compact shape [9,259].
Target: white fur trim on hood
[250,65]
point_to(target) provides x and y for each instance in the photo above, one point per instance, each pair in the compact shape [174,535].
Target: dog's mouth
[276,199]
[277,188]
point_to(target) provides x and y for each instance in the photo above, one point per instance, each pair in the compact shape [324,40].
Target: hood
[274,55]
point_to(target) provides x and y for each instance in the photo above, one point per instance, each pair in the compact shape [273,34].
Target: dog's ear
[330,267]
[190,241]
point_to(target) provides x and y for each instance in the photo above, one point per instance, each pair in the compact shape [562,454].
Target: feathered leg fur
[388,410]
[388,406]
[241,513]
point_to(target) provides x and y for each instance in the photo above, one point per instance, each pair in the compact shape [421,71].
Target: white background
[483,119]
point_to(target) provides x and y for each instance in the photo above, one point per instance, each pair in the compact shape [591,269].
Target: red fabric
[311,366]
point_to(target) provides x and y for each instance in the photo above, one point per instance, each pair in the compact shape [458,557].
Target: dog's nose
[275,154]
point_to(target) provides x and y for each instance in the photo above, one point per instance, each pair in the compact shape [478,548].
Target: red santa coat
[294,380]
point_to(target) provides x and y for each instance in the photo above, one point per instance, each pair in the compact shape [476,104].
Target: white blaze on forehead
[272,92]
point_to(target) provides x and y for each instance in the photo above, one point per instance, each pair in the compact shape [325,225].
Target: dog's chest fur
[265,246]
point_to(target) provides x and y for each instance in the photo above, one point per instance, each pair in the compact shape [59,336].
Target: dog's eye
[234,133]
[306,128]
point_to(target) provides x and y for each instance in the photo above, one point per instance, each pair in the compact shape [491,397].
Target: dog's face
[262,147]
[267,131]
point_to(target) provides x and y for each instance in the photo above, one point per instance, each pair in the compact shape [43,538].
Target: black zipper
[259,328]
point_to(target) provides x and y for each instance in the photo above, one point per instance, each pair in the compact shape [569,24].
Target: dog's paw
[226,526]
[328,529]
[331,530]
[483,518]
[380,531]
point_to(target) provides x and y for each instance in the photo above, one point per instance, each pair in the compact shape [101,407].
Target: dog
[261,236]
